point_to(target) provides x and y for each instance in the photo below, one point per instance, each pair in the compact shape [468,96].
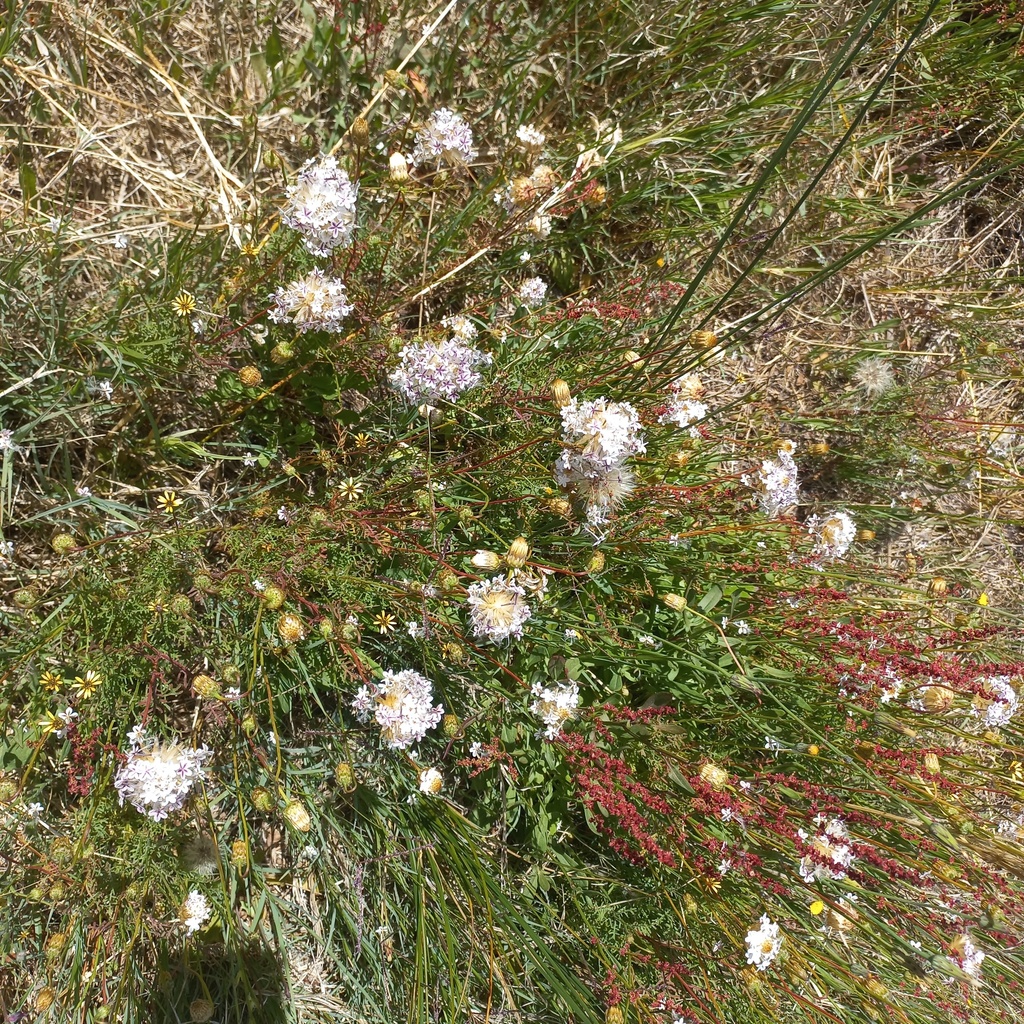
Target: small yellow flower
[817,907]
[351,489]
[983,600]
[158,605]
[184,304]
[251,249]
[169,502]
[51,681]
[361,440]
[85,686]
[384,622]
[1016,772]
[51,723]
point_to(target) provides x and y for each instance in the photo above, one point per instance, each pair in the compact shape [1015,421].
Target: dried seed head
[819,449]
[44,999]
[864,536]
[937,587]
[518,553]
[297,816]
[560,506]
[250,376]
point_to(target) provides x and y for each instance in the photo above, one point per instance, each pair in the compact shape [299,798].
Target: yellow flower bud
[398,168]
[560,393]
[675,601]
[937,587]
[596,563]
[297,816]
[44,999]
[714,776]
[201,1010]
[702,340]
[360,132]
[250,376]
[518,553]
[486,559]
[865,535]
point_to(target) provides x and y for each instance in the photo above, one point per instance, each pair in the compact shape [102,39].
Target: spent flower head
[401,704]
[314,302]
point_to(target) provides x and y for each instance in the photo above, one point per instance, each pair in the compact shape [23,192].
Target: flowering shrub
[494,652]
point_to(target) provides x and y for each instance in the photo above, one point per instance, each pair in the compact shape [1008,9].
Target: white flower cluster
[498,607]
[832,535]
[432,371]
[997,712]
[834,851]
[312,303]
[461,327]
[776,482]
[431,782]
[444,137]
[195,912]
[601,435]
[531,138]
[322,206]
[763,944]
[532,292]
[157,777]
[684,412]
[554,706]
[401,704]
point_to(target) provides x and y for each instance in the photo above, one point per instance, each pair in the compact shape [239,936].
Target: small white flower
[440,370]
[531,139]
[322,206]
[232,693]
[54,224]
[258,584]
[67,716]
[34,810]
[525,257]
[431,781]
[120,241]
[476,749]
[776,482]
[249,459]
[415,629]
[832,535]
[532,292]
[554,706]
[195,912]
[763,944]
[498,608]
[282,514]
[156,777]
[401,704]
[83,492]
[571,634]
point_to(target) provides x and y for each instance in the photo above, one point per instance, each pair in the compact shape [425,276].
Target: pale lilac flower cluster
[763,943]
[532,292]
[832,848]
[997,712]
[401,704]
[498,608]
[156,777]
[832,535]
[195,912]
[313,303]
[554,706]
[776,482]
[322,206]
[445,137]
[601,435]
[438,370]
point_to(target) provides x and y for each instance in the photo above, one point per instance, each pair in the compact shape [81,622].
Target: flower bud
[272,597]
[632,358]
[596,563]
[290,628]
[44,999]
[518,553]
[397,167]
[560,506]
[395,79]
[201,1010]
[206,686]
[250,724]
[262,799]
[937,699]
[674,601]
[819,449]
[344,776]
[239,853]
[937,587]
[297,816]
[486,559]
[595,195]
[703,340]
[447,579]
[714,776]
[24,598]
[614,1015]
[250,376]
[63,543]
[281,353]
[360,132]
[451,725]
[560,393]
[453,652]
[931,762]
[864,536]
[876,988]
